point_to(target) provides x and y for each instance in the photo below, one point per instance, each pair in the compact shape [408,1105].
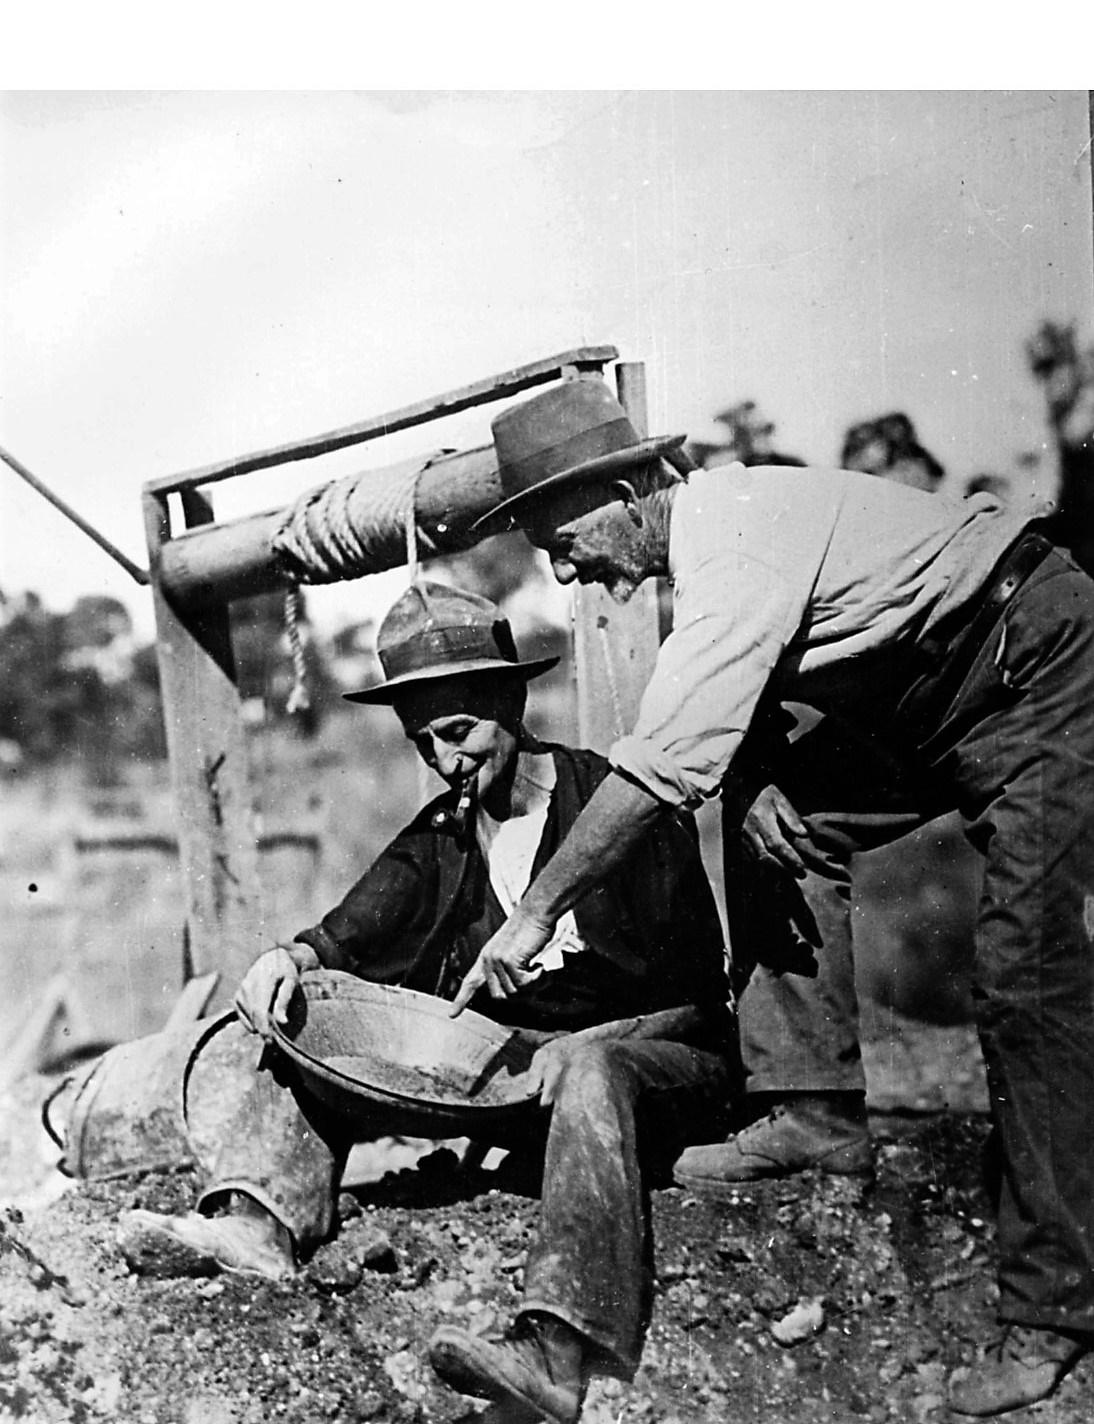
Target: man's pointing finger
[473,979]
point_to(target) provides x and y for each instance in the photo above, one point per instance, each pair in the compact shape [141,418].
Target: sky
[187,275]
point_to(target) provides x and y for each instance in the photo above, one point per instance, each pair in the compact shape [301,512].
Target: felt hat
[434,631]
[574,431]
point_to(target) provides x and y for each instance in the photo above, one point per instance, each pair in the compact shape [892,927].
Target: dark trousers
[1014,754]
[621,1107]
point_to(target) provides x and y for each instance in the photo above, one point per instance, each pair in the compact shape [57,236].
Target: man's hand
[771,826]
[548,1063]
[263,997]
[503,962]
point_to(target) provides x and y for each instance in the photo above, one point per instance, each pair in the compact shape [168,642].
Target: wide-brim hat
[434,631]
[575,431]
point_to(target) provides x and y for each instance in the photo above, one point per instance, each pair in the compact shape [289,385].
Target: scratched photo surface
[253,343]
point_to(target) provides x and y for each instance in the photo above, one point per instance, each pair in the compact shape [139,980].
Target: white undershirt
[510,846]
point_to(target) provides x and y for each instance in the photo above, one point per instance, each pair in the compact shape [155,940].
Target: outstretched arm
[617,816]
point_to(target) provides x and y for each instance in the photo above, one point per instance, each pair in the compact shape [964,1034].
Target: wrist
[535,912]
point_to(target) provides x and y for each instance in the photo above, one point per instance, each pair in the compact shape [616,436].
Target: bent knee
[595,1066]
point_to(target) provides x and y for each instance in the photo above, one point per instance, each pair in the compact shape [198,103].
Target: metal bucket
[390,1059]
[157,1103]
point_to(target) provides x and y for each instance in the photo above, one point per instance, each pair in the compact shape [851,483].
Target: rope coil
[344,530]
[354,526]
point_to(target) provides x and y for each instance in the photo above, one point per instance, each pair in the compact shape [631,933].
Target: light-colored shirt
[509,848]
[796,574]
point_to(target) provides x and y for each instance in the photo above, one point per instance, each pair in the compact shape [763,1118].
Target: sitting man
[635,1043]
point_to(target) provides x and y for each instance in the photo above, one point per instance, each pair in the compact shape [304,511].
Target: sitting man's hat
[434,631]
[574,431]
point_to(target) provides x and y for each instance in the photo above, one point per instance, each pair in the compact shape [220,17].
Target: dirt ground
[810,1300]
[889,1289]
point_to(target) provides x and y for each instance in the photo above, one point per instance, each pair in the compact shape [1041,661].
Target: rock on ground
[807,1300]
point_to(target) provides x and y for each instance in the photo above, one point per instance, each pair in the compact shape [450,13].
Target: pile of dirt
[807,1300]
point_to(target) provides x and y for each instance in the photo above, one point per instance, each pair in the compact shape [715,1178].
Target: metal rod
[80,522]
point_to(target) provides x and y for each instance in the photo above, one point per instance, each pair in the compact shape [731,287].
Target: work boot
[538,1367]
[196,1245]
[826,1132]
[1026,1365]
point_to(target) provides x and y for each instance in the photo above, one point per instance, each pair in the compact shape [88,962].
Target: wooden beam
[208,756]
[493,388]
[615,645]
[36,1042]
[237,559]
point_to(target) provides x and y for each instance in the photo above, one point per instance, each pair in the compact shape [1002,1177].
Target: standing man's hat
[435,631]
[574,431]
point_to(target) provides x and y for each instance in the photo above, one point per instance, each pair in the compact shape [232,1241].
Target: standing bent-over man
[964,640]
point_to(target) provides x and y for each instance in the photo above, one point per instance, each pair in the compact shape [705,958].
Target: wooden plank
[509,383]
[36,1042]
[208,757]
[615,645]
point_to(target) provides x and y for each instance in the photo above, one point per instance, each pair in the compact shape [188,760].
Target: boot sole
[721,1189]
[459,1368]
[153,1249]
[1004,1401]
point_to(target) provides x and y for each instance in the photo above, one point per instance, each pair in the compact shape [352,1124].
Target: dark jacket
[422,911]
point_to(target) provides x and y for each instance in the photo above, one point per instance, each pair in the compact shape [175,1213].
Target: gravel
[812,1299]
[807,1300]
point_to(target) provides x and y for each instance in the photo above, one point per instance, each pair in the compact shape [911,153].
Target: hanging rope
[299,698]
[348,528]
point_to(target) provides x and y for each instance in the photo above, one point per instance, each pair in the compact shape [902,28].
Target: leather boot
[826,1132]
[196,1245]
[539,1366]
[1026,1365]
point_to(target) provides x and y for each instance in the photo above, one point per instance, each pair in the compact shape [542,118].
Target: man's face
[465,728]
[589,536]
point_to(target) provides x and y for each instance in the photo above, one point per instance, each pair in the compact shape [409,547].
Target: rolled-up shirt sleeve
[732,621]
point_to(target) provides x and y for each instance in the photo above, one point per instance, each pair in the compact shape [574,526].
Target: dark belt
[948,654]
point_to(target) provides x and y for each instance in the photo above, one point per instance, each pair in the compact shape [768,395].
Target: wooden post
[615,645]
[218,852]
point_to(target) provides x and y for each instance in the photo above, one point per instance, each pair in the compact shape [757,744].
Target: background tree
[889,447]
[749,437]
[1067,376]
[73,685]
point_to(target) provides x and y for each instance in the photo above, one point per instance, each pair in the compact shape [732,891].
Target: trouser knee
[593,1074]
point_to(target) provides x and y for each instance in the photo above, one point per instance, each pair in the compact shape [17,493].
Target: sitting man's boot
[248,1241]
[825,1132]
[1025,1366]
[539,1366]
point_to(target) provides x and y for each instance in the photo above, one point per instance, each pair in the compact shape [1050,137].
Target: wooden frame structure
[198,566]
